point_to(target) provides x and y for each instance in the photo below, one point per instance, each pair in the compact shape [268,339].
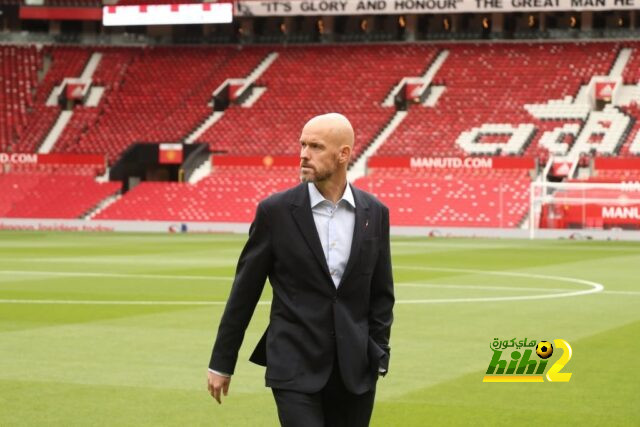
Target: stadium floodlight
[168,14]
[584,205]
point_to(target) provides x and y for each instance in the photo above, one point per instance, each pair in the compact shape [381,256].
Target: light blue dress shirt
[334,223]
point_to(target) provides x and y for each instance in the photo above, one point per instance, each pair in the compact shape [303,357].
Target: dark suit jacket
[310,320]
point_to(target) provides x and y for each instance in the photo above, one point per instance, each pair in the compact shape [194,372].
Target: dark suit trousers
[333,406]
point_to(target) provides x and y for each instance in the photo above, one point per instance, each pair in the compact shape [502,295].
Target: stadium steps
[50,140]
[621,62]
[249,93]
[248,101]
[209,121]
[87,73]
[102,205]
[95,95]
[46,66]
[359,167]
[256,93]
[435,93]
[92,65]
[201,171]
[262,68]
[427,77]
[104,177]
[435,66]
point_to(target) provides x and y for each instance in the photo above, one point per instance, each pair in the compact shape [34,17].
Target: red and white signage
[413,90]
[452,162]
[390,7]
[75,90]
[561,168]
[621,212]
[168,14]
[604,90]
[170,154]
[590,215]
[51,159]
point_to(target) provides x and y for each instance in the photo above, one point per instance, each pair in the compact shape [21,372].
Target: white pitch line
[98,302]
[127,261]
[260,303]
[594,287]
[112,275]
[505,245]
[229,278]
[107,302]
[477,287]
[622,292]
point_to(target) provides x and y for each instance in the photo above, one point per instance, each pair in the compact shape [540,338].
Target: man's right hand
[216,384]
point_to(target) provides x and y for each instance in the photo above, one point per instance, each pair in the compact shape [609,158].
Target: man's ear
[345,154]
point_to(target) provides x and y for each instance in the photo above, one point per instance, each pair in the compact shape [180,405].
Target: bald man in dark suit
[324,245]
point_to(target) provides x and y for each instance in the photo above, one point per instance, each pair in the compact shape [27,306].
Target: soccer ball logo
[544,349]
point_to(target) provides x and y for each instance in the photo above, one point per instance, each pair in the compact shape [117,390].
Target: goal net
[584,205]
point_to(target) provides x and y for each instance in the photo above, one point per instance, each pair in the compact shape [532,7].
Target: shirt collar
[316,197]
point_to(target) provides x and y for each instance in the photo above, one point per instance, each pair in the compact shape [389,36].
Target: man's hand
[216,384]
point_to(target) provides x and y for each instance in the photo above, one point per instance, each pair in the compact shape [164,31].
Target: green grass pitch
[116,329]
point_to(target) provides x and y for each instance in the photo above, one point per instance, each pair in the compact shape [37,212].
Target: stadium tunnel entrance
[157,162]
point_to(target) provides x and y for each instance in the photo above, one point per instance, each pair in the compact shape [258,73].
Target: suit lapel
[361,222]
[301,210]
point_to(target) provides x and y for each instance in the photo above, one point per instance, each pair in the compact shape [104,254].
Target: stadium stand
[615,171]
[306,81]
[229,194]
[108,75]
[632,110]
[51,195]
[162,94]
[452,198]
[491,84]
[631,73]
[18,78]
[65,62]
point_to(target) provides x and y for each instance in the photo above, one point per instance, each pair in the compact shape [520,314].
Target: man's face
[318,156]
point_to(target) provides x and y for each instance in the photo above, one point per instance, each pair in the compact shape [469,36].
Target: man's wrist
[222,374]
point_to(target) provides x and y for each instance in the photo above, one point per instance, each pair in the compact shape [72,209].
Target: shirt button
[333,244]
[333,272]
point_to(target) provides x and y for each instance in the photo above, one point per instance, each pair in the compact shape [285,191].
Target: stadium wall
[19,224]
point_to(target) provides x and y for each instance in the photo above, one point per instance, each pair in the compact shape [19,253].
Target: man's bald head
[326,144]
[335,128]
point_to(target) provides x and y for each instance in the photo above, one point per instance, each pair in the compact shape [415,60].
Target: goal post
[581,205]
